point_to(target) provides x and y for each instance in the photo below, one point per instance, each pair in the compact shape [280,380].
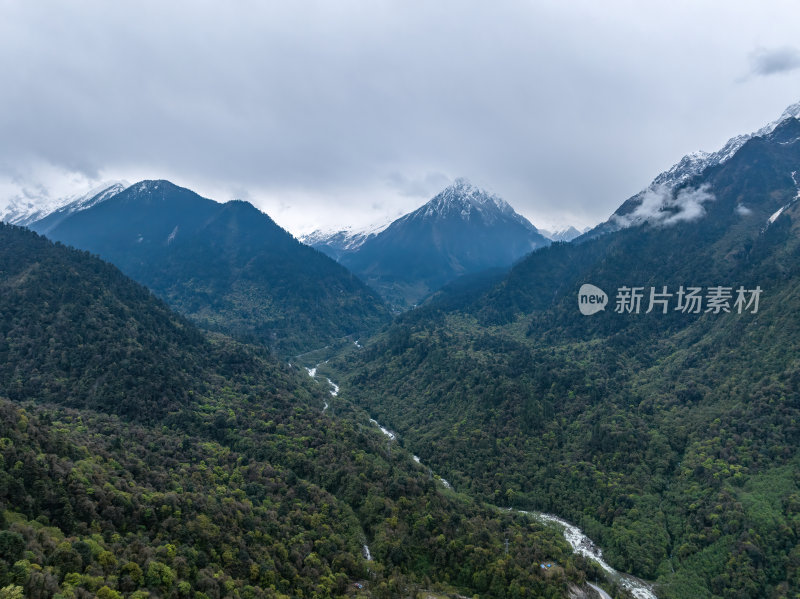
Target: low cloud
[765,62]
[661,206]
[743,210]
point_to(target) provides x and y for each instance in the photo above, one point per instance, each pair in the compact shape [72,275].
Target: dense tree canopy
[140,458]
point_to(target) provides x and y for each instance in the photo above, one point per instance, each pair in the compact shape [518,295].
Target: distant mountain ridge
[23,213]
[695,163]
[226,266]
[567,234]
[462,230]
[336,243]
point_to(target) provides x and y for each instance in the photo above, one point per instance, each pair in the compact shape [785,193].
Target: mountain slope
[228,266]
[242,486]
[671,438]
[38,333]
[461,231]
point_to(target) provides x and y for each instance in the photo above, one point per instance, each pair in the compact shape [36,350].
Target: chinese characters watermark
[685,299]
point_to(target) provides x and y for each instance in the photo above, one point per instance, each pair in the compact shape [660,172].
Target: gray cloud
[765,61]
[345,111]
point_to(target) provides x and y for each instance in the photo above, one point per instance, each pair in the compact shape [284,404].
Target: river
[579,542]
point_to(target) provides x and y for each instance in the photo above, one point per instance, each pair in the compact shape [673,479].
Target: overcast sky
[332,113]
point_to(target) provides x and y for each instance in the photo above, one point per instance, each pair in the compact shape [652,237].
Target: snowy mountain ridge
[347,239]
[566,235]
[660,204]
[24,211]
[696,162]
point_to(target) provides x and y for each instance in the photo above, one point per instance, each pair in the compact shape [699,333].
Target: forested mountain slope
[140,458]
[228,267]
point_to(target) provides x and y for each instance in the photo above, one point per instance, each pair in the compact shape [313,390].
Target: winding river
[579,542]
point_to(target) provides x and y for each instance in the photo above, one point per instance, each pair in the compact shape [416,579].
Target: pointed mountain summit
[461,231]
[227,266]
[463,201]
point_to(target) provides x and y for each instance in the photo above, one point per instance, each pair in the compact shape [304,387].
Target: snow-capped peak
[24,211]
[462,198]
[467,202]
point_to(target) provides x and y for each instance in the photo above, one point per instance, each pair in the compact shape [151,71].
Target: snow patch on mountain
[566,235]
[24,211]
[781,210]
[464,200]
[172,235]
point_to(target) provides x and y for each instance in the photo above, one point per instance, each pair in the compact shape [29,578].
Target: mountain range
[566,235]
[687,168]
[25,211]
[641,381]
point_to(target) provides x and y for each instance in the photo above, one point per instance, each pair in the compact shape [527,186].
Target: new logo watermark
[718,299]
[591,299]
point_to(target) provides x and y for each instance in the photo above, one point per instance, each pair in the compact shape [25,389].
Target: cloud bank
[331,113]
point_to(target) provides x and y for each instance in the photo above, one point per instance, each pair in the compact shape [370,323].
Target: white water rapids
[584,546]
[334,388]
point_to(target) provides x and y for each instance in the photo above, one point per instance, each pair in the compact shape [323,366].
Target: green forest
[142,458]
